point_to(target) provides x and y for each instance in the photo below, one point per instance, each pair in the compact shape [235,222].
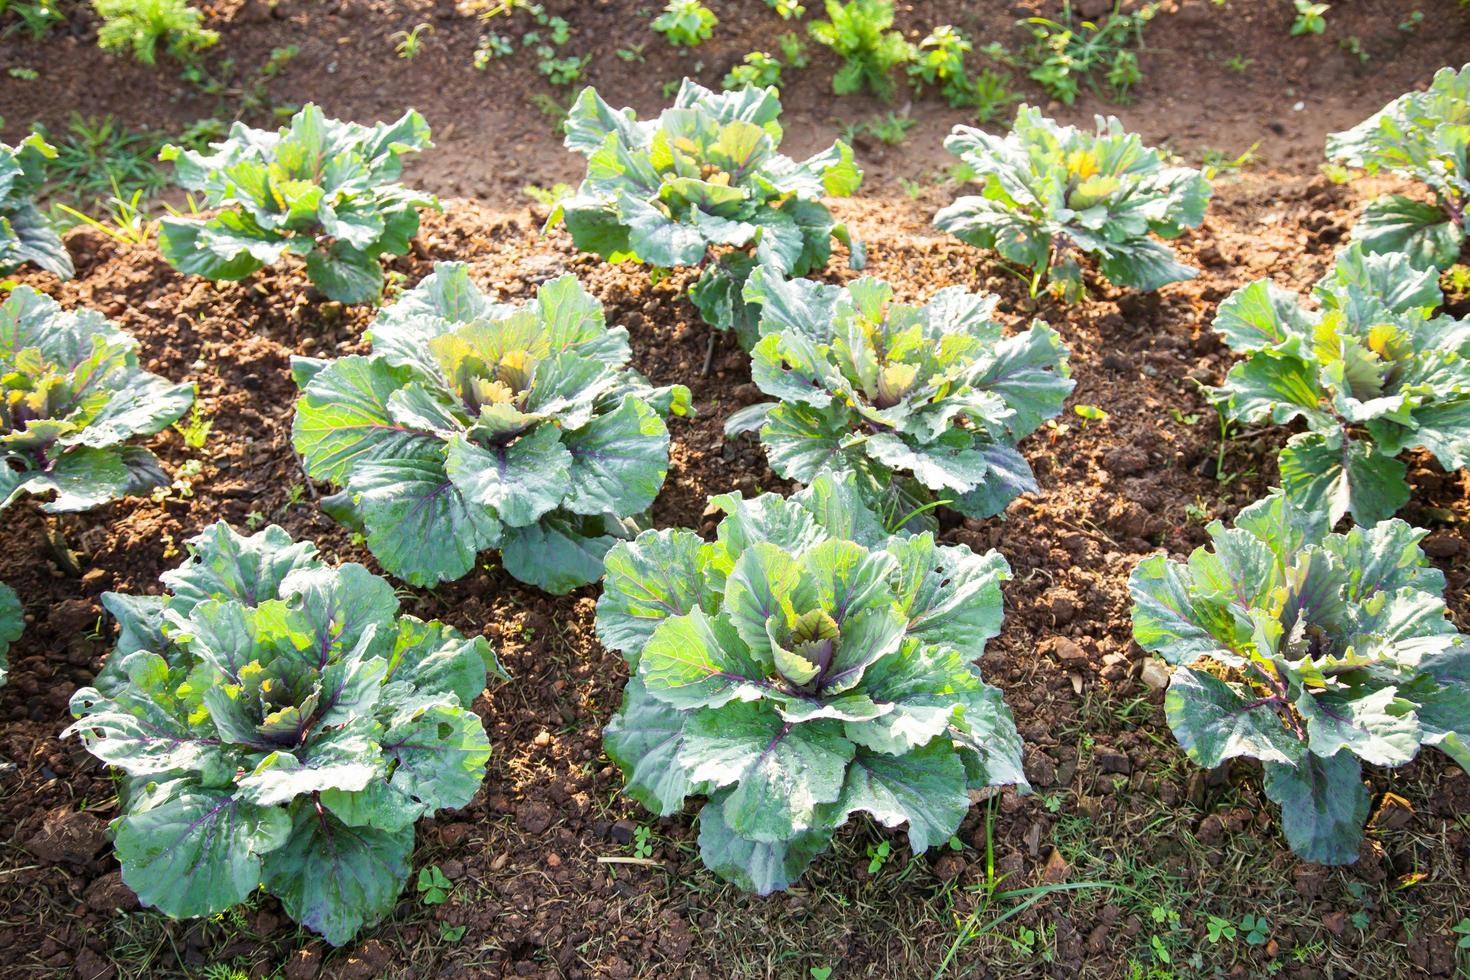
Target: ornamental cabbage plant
[1051,193]
[474,425]
[319,188]
[803,667]
[1312,652]
[1424,136]
[1372,372]
[25,234]
[702,185]
[12,624]
[71,396]
[922,402]
[277,724]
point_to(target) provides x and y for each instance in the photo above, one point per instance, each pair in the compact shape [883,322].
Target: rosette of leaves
[859,31]
[1312,652]
[801,668]
[1424,136]
[277,724]
[71,396]
[1051,193]
[474,425]
[319,188]
[25,234]
[12,624]
[921,402]
[1372,372]
[702,185]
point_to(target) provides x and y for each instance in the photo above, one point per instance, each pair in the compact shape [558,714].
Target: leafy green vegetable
[1372,372]
[801,668]
[703,185]
[474,425]
[1335,649]
[858,31]
[685,22]
[1067,53]
[756,70]
[71,396]
[1051,192]
[138,26]
[919,401]
[25,234]
[318,188]
[279,725]
[12,624]
[1424,136]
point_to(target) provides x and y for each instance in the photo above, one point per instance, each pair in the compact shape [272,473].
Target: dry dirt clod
[68,835]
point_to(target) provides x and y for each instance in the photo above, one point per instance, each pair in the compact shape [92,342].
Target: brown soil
[1117,807]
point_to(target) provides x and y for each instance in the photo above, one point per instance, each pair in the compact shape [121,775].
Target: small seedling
[643,842]
[757,70]
[410,42]
[1309,19]
[1411,23]
[1353,45]
[1219,929]
[195,429]
[449,933]
[891,129]
[432,886]
[1256,929]
[793,51]
[1090,413]
[878,856]
[492,46]
[686,23]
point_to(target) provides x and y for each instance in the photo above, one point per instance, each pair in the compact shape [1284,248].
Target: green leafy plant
[940,61]
[36,16]
[1052,192]
[73,395]
[703,185]
[408,44]
[1423,136]
[793,50]
[756,70]
[803,667]
[858,31]
[1309,19]
[890,128]
[140,25]
[1065,54]
[279,725]
[1219,930]
[25,234]
[1312,652]
[1372,372]
[1257,929]
[433,887]
[12,624]
[686,23]
[318,188]
[96,155]
[922,403]
[474,425]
